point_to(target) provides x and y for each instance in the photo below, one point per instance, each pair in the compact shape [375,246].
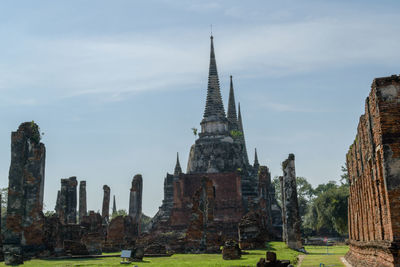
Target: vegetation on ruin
[36,136]
[236,134]
[192,260]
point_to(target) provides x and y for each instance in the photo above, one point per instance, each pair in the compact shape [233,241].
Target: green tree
[327,213]
[305,193]
[119,213]
[344,178]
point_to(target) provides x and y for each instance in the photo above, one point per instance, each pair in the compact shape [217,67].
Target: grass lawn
[317,255]
[179,259]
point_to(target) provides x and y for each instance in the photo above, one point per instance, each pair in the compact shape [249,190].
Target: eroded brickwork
[24,224]
[291,206]
[373,163]
[67,201]
[135,201]
[82,200]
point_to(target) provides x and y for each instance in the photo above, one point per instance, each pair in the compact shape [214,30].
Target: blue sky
[116,86]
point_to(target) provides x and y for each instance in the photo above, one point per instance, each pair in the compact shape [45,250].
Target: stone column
[25,194]
[106,204]
[135,199]
[284,237]
[68,200]
[82,200]
[291,205]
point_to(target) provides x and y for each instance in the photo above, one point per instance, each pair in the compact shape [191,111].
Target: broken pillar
[82,200]
[68,201]
[105,212]
[24,224]
[135,200]
[284,232]
[291,205]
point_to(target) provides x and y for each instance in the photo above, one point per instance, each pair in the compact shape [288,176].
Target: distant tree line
[323,209]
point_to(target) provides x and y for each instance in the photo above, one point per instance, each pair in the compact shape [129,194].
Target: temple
[207,203]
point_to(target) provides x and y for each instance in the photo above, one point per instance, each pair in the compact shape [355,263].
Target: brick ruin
[24,224]
[373,163]
[28,233]
[203,207]
[290,206]
[221,197]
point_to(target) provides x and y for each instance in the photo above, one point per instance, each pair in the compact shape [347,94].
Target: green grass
[179,259]
[317,255]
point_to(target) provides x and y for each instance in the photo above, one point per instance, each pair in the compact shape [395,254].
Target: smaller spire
[231,113]
[256,164]
[178,169]
[240,124]
[114,211]
[240,128]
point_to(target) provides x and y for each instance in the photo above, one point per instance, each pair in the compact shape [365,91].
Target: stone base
[13,255]
[373,254]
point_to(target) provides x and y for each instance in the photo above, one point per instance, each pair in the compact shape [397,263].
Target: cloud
[111,66]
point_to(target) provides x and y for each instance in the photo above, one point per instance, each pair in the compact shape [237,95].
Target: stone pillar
[284,237]
[24,225]
[106,204]
[82,200]
[135,199]
[68,200]
[291,205]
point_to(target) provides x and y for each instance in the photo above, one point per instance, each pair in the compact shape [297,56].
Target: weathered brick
[373,164]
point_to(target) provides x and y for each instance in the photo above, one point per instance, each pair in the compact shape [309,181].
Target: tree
[119,213]
[327,214]
[344,178]
[305,193]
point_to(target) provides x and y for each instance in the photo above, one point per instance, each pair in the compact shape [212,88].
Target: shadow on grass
[269,247]
[72,259]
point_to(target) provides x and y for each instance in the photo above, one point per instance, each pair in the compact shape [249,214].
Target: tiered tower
[220,147]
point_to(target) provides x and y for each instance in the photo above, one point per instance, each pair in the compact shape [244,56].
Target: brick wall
[373,163]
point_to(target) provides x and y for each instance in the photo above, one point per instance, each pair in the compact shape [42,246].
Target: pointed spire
[240,127]
[214,107]
[178,169]
[256,164]
[231,114]
[114,206]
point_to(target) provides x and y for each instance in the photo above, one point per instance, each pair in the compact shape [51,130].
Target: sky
[116,86]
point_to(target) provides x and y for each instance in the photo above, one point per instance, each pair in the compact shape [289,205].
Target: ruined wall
[202,234]
[228,199]
[291,206]
[373,163]
[24,224]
